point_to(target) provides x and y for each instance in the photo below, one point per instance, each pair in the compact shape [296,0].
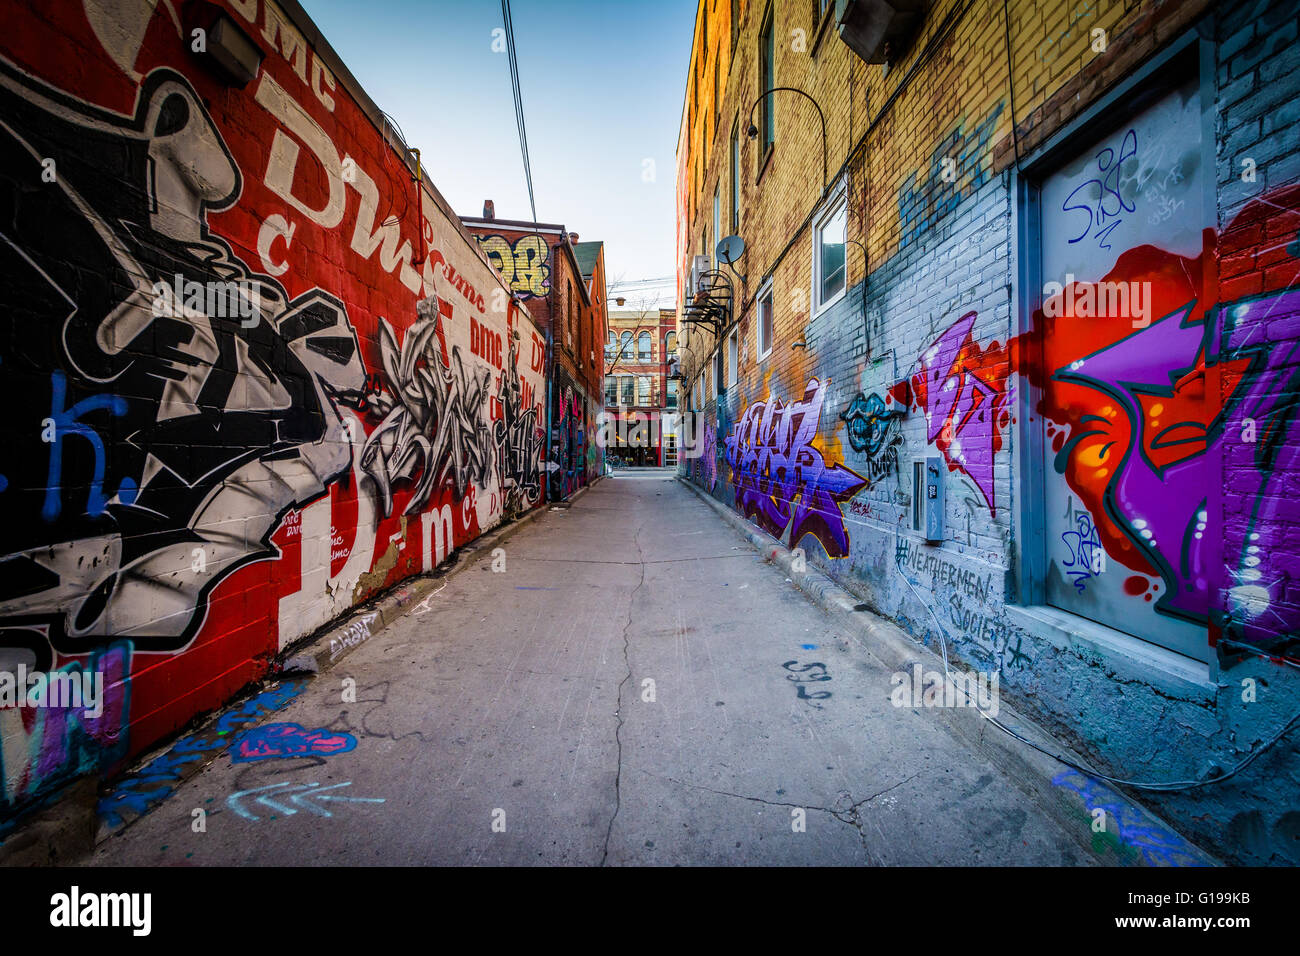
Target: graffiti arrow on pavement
[300,794]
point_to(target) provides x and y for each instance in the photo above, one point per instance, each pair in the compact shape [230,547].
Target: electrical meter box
[927,497]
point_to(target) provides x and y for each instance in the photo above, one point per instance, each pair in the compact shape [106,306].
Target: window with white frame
[643,390]
[830,233]
[764,321]
[720,370]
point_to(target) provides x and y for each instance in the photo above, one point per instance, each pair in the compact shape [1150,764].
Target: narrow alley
[521,696]
[569,435]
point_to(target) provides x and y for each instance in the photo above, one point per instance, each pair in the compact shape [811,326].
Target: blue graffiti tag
[1086,556]
[64,422]
[1105,192]
[138,793]
[1156,845]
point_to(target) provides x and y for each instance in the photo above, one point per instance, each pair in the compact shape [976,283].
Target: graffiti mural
[245,363]
[782,481]
[874,432]
[222,429]
[571,464]
[1139,453]
[966,396]
[41,744]
[709,460]
[435,424]
[519,436]
[278,741]
[1132,430]
[524,265]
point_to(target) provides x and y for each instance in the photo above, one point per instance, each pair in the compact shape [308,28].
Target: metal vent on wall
[879,31]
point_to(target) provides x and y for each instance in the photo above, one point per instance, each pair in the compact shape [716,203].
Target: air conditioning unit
[878,30]
[699,266]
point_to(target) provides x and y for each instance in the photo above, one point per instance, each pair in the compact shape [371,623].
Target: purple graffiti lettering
[782,482]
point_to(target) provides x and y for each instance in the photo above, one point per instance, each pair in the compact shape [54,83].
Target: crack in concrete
[851,817]
[618,730]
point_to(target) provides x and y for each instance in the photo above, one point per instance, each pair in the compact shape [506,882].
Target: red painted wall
[194,483]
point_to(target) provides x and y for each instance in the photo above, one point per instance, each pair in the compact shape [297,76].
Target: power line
[519,103]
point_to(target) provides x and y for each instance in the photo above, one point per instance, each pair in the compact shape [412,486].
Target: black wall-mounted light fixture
[752,131]
[226,46]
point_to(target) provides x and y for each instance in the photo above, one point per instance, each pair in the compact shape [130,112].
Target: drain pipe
[550,384]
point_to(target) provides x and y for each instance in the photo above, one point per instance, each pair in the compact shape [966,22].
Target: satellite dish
[731,249]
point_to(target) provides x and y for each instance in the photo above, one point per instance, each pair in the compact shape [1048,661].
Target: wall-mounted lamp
[619,301]
[235,54]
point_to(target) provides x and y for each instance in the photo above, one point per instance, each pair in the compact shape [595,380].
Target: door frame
[1189,55]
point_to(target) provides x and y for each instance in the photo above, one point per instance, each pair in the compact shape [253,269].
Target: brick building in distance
[639,353]
[562,283]
[1015,297]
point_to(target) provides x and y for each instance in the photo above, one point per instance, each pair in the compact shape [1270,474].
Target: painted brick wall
[950,355]
[540,268]
[197,475]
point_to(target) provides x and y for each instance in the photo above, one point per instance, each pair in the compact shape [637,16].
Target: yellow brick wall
[963,82]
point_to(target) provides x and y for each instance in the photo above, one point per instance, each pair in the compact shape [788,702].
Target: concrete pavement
[636,686]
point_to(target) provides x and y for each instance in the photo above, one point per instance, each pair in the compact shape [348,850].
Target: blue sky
[602,86]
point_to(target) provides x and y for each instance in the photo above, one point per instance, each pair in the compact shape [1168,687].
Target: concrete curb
[1069,796]
[65,825]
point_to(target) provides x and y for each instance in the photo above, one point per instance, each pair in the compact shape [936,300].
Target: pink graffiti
[289,740]
[782,482]
[966,395]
